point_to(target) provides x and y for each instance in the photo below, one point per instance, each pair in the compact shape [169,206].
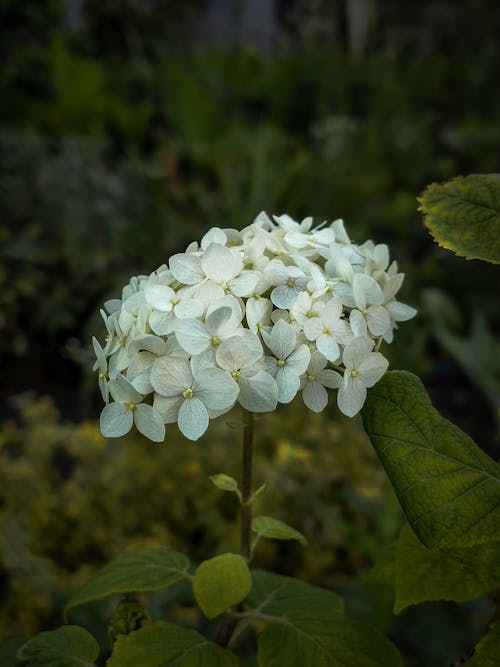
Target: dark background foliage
[129,128]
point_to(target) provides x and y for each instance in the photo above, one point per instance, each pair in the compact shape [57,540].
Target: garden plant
[244,321]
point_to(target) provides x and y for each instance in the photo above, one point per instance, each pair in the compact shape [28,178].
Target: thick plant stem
[230,621]
[246,486]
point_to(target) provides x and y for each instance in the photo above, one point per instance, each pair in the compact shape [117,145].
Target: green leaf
[69,646]
[424,574]
[449,489]
[306,627]
[487,652]
[133,571]
[266,526]
[258,492]
[220,583]
[165,644]
[463,215]
[224,482]
[275,594]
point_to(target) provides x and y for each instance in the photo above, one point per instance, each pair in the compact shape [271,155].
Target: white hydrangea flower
[187,399]
[363,368]
[184,344]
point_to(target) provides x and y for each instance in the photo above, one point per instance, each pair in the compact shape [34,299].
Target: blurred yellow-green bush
[70,501]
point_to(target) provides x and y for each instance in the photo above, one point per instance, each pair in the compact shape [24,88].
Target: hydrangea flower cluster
[252,317]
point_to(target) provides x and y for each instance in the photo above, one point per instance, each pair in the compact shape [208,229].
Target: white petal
[288,383]
[366,290]
[192,336]
[258,313]
[317,363]
[331,312]
[356,351]
[239,352]
[168,408]
[392,286]
[186,268]
[160,297]
[147,342]
[284,296]
[358,324]
[258,393]
[217,319]
[329,378]
[214,235]
[299,359]
[400,312]
[351,396]
[103,386]
[378,320]
[313,328]
[189,309]
[208,291]
[328,346]
[315,396]
[343,292]
[149,423]
[220,263]
[121,390]
[102,364]
[282,340]
[215,388]
[142,383]
[170,376]
[161,322]
[118,362]
[193,418]
[372,368]
[116,420]
[244,284]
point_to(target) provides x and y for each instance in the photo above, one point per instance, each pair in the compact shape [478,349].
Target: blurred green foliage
[71,501]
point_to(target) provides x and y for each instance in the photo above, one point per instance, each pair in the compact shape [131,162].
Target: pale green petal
[328,346]
[315,396]
[378,320]
[372,368]
[356,351]
[171,375]
[299,359]
[215,388]
[282,340]
[168,408]
[193,418]
[288,384]
[239,351]
[192,336]
[116,420]
[258,393]
[351,396]
[149,423]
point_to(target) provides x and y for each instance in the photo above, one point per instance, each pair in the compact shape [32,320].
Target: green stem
[246,486]
[231,620]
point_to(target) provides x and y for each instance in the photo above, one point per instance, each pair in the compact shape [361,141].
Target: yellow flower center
[235,375]
[129,405]
[354,373]
[281,362]
[311,377]
[187,393]
[215,340]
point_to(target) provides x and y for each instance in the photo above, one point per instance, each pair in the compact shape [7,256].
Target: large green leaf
[306,627]
[448,488]
[69,646]
[487,652]
[424,574]
[220,583]
[463,215]
[167,645]
[133,571]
